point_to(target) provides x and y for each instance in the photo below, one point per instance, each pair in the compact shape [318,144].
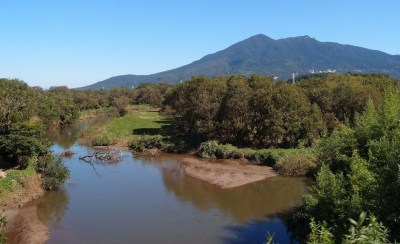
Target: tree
[24,140]
[361,174]
[14,101]
[233,116]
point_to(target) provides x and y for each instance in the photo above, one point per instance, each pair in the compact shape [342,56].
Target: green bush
[207,149]
[141,143]
[365,230]
[103,139]
[53,172]
[24,140]
[212,149]
[296,164]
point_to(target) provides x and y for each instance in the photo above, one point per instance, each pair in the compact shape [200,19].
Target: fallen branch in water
[67,154]
[101,156]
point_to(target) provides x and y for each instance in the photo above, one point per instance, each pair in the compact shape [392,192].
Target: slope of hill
[260,54]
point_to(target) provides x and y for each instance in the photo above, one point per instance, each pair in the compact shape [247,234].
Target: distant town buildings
[313,71]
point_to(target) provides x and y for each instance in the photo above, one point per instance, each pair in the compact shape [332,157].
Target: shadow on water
[256,231]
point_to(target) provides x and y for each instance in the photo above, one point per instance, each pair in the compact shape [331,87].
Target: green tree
[14,103]
[24,141]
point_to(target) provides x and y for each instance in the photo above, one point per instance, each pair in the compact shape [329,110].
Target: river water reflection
[150,200]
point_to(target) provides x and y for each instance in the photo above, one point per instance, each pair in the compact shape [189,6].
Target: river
[150,200]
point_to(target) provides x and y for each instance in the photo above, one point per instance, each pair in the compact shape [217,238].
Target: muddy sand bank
[23,224]
[226,173]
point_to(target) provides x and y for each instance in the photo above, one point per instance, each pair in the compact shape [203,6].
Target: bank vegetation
[341,130]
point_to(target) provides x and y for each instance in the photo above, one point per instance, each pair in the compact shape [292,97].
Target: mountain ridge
[260,54]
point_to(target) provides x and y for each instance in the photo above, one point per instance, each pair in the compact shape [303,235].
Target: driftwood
[102,156]
[67,154]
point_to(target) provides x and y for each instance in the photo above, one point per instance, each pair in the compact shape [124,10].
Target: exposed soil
[32,190]
[24,226]
[3,174]
[226,173]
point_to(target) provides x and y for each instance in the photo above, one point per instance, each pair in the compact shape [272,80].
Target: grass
[92,113]
[142,120]
[296,164]
[144,129]
[295,161]
[15,180]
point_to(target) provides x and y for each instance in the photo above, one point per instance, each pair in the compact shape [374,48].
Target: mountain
[260,54]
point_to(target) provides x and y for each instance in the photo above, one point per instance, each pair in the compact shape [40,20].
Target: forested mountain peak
[280,58]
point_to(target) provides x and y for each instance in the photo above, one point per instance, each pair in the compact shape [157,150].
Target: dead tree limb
[101,156]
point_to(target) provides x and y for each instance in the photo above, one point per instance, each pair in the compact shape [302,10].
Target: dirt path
[226,173]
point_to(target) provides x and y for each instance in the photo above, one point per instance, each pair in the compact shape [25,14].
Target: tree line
[254,111]
[351,120]
[26,112]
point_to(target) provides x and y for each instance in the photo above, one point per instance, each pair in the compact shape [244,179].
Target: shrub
[212,149]
[24,140]
[141,143]
[53,172]
[296,164]
[365,230]
[103,139]
[207,149]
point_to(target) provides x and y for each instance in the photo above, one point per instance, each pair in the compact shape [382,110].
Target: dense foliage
[53,171]
[343,127]
[253,111]
[24,116]
[245,111]
[20,132]
[359,172]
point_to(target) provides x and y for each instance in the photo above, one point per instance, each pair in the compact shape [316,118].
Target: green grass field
[141,121]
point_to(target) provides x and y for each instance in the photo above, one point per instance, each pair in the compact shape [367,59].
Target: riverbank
[21,186]
[146,129]
[141,120]
[226,173]
[24,226]
[18,188]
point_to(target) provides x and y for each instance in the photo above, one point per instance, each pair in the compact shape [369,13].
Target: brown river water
[150,200]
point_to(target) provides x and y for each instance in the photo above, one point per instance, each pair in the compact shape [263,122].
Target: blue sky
[79,42]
